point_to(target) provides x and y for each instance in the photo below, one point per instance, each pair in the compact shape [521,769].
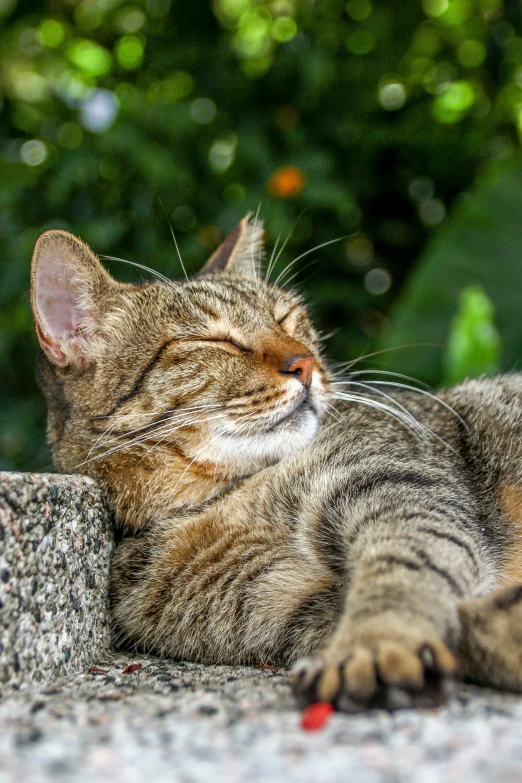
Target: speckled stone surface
[173,722]
[96,720]
[55,546]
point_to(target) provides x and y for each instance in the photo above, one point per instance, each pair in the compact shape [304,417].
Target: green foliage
[481,246]
[366,119]
[473,347]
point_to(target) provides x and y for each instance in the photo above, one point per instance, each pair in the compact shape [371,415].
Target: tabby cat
[271,511]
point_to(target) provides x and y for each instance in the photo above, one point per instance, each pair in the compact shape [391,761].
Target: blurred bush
[353,120]
[480,245]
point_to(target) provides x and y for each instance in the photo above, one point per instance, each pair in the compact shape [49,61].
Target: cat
[371,536]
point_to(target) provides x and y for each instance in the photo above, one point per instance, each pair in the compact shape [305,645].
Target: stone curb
[55,547]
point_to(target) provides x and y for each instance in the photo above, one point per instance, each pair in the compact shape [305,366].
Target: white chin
[248,453]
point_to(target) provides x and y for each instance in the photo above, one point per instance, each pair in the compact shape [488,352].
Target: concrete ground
[175,722]
[196,724]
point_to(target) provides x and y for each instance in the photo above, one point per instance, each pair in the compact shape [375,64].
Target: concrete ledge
[174,722]
[55,546]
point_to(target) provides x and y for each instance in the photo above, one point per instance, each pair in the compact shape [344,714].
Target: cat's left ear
[241,252]
[68,289]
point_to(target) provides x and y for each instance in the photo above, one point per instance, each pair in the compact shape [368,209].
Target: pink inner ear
[56,301]
[61,316]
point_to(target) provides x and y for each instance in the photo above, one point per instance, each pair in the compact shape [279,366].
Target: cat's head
[166,392]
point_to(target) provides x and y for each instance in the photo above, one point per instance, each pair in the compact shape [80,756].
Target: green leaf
[480,245]
[474,346]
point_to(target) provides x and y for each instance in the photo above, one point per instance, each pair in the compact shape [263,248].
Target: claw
[398,699]
[387,675]
[427,657]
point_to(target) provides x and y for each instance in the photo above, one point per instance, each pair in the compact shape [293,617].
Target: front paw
[385,674]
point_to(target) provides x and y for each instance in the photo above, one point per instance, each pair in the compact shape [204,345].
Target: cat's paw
[386,674]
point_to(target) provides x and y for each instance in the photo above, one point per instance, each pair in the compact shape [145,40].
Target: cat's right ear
[241,252]
[68,286]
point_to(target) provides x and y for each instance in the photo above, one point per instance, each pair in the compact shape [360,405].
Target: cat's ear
[241,252]
[68,287]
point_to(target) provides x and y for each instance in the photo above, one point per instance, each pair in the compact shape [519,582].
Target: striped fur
[376,538]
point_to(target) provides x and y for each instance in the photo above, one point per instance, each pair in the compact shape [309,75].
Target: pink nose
[302,367]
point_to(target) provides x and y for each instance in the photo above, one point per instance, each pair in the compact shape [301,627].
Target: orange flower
[286,182]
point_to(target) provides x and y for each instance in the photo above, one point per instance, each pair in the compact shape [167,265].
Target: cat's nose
[300,366]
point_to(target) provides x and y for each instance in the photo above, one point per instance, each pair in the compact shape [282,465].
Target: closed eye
[226,341]
[288,313]
[281,321]
[238,345]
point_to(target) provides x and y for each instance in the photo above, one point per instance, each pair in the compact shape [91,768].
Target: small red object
[316,715]
[97,670]
[131,668]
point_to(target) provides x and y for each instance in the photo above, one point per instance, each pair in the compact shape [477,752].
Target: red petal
[131,668]
[316,715]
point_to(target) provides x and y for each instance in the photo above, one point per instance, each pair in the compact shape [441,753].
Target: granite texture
[103,717]
[183,723]
[55,546]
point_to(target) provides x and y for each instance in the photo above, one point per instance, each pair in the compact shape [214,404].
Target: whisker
[147,432]
[393,412]
[140,266]
[323,337]
[307,253]
[269,267]
[170,432]
[151,427]
[152,413]
[121,447]
[165,416]
[267,278]
[141,438]
[300,271]
[370,390]
[347,365]
[331,410]
[420,391]
[425,430]
[393,374]
[174,238]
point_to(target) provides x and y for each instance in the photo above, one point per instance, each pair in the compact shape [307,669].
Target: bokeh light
[360,250]
[222,153]
[432,211]
[203,110]
[52,33]
[129,51]
[453,102]
[286,182]
[377,281]
[359,9]
[33,152]
[90,57]
[392,94]
[99,110]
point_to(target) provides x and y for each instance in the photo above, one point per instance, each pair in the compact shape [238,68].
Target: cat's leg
[372,578]
[222,587]
[403,655]
[411,564]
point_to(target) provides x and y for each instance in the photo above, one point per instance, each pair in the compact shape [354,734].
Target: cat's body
[276,521]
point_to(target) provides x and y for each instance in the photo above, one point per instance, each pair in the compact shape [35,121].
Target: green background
[391,126]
